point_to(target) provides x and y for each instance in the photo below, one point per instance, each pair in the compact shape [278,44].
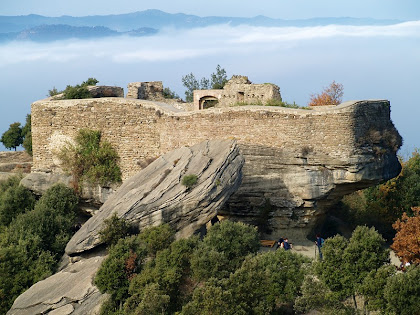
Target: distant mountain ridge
[150,21]
[46,33]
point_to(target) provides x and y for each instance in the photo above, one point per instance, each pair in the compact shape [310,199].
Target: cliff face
[297,162]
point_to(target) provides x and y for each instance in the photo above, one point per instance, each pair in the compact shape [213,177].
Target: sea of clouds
[370,61]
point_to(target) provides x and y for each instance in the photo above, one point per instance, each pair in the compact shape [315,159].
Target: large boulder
[92,196]
[70,291]
[156,194]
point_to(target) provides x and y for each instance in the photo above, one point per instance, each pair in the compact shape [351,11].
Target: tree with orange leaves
[331,95]
[407,240]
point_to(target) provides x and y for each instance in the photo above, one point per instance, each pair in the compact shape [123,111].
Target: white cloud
[175,45]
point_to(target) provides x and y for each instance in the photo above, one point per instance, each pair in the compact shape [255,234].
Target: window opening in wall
[240,96]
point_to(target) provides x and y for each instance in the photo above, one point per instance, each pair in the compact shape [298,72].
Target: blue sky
[372,62]
[285,9]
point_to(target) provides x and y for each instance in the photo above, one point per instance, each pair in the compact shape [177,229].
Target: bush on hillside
[91,159]
[34,240]
[14,199]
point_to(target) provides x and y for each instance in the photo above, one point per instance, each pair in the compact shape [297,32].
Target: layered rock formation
[156,195]
[297,162]
[69,291]
[153,196]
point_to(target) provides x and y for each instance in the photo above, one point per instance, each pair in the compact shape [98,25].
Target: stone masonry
[238,90]
[297,162]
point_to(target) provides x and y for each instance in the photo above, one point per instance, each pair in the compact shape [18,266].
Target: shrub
[189,180]
[114,228]
[223,249]
[33,242]
[113,275]
[402,292]
[79,91]
[157,238]
[14,199]
[91,159]
[331,95]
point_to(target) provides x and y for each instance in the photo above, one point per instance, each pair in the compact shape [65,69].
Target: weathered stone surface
[15,161]
[156,195]
[300,161]
[39,183]
[237,90]
[106,91]
[70,291]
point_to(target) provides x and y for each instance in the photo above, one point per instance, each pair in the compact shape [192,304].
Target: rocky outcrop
[297,162]
[157,195]
[15,162]
[92,196]
[153,196]
[70,291]
[106,91]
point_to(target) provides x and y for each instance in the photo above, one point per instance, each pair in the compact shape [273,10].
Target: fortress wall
[293,130]
[299,161]
[140,129]
[129,126]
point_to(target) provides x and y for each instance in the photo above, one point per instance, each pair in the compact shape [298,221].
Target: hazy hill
[20,27]
[44,33]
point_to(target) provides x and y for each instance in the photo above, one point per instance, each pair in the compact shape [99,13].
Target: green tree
[33,242]
[263,284]
[12,138]
[217,80]
[169,94]
[315,295]
[347,263]
[170,270]
[223,249]
[372,288]
[14,199]
[113,275]
[402,292]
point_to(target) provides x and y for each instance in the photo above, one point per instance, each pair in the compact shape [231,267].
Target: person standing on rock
[319,243]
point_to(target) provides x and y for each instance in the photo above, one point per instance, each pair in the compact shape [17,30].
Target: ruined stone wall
[152,91]
[140,129]
[297,162]
[249,94]
[238,90]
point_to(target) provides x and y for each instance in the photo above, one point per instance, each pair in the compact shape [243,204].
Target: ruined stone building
[297,162]
[238,90]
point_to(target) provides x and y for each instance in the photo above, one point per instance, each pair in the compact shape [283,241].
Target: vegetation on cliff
[77,91]
[380,206]
[90,159]
[331,95]
[150,273]
[32,235]
[223,273]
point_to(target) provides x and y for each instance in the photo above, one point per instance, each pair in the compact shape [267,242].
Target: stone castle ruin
[238,90]
[297,162]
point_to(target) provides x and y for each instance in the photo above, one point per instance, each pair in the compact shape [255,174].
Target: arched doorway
[208,102]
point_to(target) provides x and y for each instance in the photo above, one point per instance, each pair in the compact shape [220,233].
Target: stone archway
[201,97]
[208,102]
